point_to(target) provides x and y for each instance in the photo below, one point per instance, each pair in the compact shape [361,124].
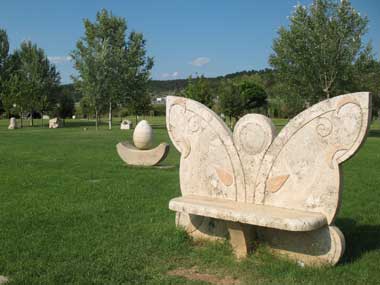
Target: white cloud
[200,61]
[59,59]
[173,75]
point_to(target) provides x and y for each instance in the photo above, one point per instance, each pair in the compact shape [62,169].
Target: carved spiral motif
[324,127]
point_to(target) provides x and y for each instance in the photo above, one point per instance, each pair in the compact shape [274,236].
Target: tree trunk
[31,117]
[96,119]
[110,116]
[42,119]
[136,119]
[21,118]
[327,92]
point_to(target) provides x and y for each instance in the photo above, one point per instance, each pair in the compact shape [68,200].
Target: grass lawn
[72,212]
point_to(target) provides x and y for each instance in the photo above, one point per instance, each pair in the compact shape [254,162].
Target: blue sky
[207,37]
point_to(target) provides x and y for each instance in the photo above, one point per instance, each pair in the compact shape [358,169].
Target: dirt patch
[194,274]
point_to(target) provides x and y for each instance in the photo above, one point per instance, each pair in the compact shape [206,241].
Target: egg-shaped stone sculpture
[143,135]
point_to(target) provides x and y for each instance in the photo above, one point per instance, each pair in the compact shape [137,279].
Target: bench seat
[258,215]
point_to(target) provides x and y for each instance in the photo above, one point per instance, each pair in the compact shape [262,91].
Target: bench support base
[315,248]
[324,246]
[241,238]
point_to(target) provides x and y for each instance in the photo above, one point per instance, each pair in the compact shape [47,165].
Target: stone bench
[257,215]
[255,186]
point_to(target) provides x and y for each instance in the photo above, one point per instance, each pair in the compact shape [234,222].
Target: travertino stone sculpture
[126,125]
[12,123]
[55,123]
[284,190]
[143,135]
[140,153]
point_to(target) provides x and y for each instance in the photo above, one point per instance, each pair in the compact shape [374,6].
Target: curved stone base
[319,247]
[324,246]
[134,156]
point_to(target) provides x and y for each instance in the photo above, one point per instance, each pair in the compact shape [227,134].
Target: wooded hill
[165,87]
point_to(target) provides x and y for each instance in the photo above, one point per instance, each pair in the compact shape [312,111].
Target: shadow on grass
[159,126]
[360,239]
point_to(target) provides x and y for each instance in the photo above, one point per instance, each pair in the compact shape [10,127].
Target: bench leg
[324,246]
[203,228]
[241,238]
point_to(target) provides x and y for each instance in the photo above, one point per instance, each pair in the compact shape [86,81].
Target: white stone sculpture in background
[140,153]
[284,190]
[55,123]
[12,123]
[126,125]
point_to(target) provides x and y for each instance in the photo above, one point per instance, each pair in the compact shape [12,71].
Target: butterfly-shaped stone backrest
[297,169]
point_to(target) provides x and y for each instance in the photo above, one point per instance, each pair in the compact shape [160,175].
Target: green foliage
[199,90]
[4,49]
[65,107]
[240,97]
[70,88]
[139,66]
[230,102]
[123,113]
[111,70]
[165,87]
[159,109]
[314,56]
[30,81]
[140,105]
[366,77]
[253,96]
[286,105]
[99,59]
[85,107]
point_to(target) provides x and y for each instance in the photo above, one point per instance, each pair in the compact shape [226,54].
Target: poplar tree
[111,70]
[4,49]
[314,56]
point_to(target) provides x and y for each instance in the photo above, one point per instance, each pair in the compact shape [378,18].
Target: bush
[159,110]
[123,113]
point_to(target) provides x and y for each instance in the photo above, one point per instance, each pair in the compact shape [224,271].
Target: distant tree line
[29,83]
[231,96]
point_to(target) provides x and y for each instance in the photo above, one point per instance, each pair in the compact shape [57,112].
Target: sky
[209,37]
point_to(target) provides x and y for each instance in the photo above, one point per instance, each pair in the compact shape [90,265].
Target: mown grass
[71,212]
